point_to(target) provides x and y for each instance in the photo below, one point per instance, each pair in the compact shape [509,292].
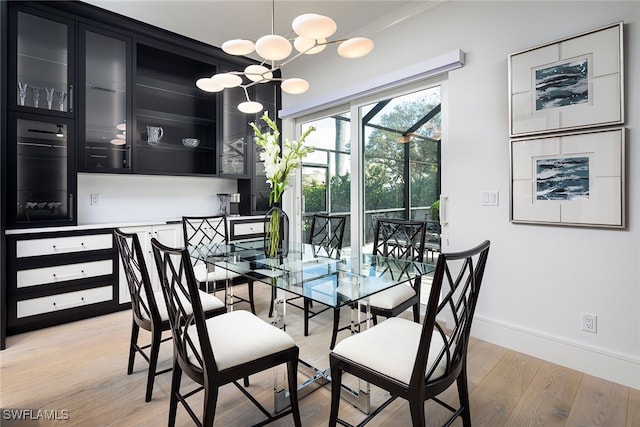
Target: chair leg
[135,329]
[210,403]
[416,313]
[175,389]
[156,338]
[251,302]
[306,317]
[463,395]
[292,377]
[416,406]
[336,325]
[336,386]
[271,303]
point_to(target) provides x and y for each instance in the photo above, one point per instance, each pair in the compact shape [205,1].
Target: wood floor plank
[81,367]
[599,403]
[496,396]
[548,399]
[633,412]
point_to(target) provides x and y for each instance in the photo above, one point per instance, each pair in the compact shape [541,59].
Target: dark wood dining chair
[403,240]
[220,350]
[148,307]
[413,361]
[202,230]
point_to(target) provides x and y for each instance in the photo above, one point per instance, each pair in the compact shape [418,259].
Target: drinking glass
[61,98]
[36,95]
[22,92]
[49,92]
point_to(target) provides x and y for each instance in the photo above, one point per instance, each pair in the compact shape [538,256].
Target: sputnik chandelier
[311,33]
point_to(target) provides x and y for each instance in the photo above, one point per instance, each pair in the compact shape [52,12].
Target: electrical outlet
[589,322]
[95,200]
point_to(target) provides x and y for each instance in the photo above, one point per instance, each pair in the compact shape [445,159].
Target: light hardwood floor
[81,368]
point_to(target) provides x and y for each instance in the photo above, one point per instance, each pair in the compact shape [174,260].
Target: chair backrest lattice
[454,294]
[143,303]
[205,230]
[327,232]
[402,239]
[186,316]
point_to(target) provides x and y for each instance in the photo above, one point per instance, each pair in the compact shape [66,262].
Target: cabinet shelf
[162,145]
[171,117]
[146,82]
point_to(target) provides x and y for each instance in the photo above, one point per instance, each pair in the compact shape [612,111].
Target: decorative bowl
[190,142]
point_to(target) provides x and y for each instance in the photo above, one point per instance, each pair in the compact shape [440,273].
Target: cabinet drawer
[63,245]
[34,306]
[243,230]
[62,273]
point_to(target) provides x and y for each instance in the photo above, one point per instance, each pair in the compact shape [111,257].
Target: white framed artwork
[570,84]
[569,179]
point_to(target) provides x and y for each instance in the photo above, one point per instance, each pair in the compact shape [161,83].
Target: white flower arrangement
[278,167]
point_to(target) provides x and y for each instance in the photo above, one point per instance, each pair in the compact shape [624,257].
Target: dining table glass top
[333,278]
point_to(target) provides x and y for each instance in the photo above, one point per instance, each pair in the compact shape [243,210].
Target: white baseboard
[600,363]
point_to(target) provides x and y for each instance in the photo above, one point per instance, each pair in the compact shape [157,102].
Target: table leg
[280,305]
[228,291]
[361,398]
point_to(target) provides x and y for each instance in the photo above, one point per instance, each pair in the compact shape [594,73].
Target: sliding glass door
[396,173]
[401,159]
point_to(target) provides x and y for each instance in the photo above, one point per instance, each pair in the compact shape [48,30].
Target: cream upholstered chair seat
[240,337]
[392,297]
[390,349]
[209,303]
[202,275]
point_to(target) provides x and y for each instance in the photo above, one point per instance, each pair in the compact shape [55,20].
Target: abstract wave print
[562,85]
[564,178]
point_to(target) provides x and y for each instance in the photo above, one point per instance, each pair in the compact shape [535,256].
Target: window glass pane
[401,139]
[326,173]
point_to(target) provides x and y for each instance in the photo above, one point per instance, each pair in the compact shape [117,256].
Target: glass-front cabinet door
[235,134]
[41,180]
[104,76]
[43,72]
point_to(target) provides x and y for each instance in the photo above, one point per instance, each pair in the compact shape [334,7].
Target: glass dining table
[332,278]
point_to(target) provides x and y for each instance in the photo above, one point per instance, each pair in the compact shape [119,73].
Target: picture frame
[574,179]
[569,84]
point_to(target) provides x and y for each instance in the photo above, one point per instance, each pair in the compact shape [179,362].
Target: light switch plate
[490,198]
[95,200]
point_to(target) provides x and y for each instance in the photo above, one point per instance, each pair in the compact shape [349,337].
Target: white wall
[539,278]
[144,198]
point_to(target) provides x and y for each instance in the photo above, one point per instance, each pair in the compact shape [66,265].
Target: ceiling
[215,21]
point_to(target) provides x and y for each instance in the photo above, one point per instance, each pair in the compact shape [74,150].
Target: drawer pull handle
[68,304]
[66,248]
[68,275]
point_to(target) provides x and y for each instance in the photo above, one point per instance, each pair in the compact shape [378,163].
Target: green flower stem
[274,234]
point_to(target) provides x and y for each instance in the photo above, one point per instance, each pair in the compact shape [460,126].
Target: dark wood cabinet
[40,139]
[41,62]
[60,277]
[105,101]
[175,130]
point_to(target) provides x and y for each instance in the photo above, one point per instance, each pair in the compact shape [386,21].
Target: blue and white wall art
[562,178]
[562,84]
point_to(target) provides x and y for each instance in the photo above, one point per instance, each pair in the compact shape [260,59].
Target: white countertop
[111,225]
